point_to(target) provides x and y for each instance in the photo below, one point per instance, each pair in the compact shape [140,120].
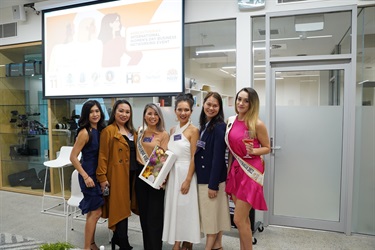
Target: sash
[141,150]
[250,170]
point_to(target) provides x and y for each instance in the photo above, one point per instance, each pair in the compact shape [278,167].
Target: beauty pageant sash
[250,170]
[141,150]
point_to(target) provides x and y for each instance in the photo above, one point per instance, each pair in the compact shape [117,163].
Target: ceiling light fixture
[291,76]
[313,22]
[259,79]
[226,72]
[259,48]
[208,51]
[229,67]
[293,38]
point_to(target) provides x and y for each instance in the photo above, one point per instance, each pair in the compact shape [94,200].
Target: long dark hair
[105,33]
[129,123]
[219,118]
[84,120]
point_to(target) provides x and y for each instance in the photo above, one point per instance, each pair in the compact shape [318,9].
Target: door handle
[274,147]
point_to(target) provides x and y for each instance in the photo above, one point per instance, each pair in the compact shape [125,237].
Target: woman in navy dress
[90,124]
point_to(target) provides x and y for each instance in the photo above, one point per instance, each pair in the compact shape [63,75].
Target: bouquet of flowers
[158,166]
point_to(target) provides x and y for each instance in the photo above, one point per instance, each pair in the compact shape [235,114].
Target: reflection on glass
[309,88]
[210,59]
[364,177]
[312,34]
[302,35]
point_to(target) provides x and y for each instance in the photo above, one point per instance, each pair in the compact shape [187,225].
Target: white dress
[181,212]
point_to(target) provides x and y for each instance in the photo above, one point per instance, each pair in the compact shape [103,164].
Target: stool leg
[67,224]
[44,189]
[63,188]
[63,202]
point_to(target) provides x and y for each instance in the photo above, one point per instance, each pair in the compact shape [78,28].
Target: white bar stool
[62,161]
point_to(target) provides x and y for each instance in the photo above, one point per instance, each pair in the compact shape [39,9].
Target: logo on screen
[133,77]
[172,74]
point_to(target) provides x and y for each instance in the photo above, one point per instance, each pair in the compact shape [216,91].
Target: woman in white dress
[181,214]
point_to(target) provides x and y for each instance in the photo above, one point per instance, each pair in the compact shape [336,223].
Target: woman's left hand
[212,193]
[89,182]
[162,186]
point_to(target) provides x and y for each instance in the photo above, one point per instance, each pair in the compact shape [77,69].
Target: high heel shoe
[114,241]
[187,245]
[122,243]
[93,246]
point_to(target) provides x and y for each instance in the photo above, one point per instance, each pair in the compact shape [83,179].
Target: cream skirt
[214,213]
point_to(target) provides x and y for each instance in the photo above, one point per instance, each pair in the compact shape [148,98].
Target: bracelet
[86,178]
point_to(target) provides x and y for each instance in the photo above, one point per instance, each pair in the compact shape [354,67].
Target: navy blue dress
[92,196]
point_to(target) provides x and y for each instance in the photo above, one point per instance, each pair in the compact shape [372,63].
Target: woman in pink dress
[245,177]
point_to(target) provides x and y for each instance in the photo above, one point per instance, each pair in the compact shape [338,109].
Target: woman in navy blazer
[211,171]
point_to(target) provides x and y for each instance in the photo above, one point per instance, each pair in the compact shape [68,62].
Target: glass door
[308,170]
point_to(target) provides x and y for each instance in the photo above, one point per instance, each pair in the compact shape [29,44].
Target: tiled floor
[20,218]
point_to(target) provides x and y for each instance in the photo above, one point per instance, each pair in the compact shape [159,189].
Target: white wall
[28,31]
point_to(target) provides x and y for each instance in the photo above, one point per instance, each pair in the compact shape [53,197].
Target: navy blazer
[210,165]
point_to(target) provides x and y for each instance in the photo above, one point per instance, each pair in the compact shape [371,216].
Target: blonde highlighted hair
[251,116]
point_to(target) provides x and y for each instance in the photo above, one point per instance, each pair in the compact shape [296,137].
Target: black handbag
[24,178]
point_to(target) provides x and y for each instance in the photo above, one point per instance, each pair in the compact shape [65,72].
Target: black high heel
[114,241]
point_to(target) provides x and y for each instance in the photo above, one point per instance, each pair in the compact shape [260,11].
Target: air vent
[8,30]
[273,32]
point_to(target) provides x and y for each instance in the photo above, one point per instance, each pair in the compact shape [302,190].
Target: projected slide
[117,48]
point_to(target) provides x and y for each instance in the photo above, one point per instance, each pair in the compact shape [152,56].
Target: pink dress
[239,183]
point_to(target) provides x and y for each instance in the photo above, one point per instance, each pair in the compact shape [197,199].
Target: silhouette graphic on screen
[114,45]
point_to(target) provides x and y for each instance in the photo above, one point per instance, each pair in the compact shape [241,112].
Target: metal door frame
[347,62]
[301,222]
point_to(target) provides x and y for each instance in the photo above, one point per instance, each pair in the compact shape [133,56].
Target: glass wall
[363,217]
[364,168]
[210,61]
